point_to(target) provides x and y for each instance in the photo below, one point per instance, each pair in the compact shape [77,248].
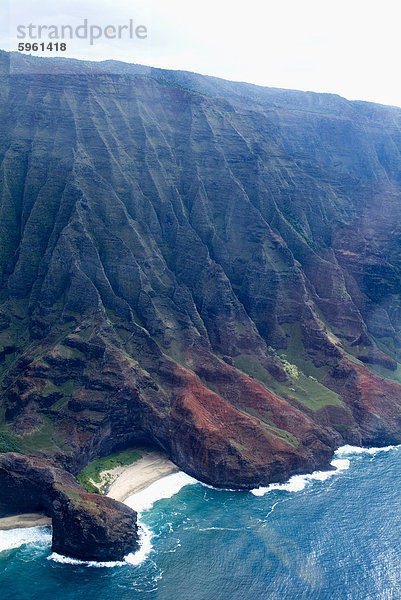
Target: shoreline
[24,520]
[153,466]
[139,475]
[125,481]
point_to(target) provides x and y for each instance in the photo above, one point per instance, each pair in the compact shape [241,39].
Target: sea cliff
[209,267]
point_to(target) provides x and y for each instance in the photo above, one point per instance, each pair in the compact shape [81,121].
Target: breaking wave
[14,538]
[166,487]
[352,450]
[340,463]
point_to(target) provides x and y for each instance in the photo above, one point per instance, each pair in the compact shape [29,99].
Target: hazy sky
[347,47]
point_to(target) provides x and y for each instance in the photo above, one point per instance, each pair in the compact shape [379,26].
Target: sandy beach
[25,520]
[124,481]
[138,476]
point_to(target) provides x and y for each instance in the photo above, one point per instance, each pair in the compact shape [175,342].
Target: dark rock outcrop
[85,526]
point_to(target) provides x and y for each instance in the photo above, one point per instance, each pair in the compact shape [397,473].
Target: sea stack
[85,526]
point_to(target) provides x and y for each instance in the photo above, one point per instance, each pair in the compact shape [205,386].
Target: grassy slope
[91,473]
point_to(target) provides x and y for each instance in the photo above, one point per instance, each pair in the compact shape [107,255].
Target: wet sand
[25,520]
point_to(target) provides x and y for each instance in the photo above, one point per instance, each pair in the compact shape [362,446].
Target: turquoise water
[321,538]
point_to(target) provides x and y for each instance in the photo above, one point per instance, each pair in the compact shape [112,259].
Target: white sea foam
[219,489]
[352,450]
[298,482]
[340,462]
[135,558]
[165,487]
[14,538]
[59,558]
[145,547]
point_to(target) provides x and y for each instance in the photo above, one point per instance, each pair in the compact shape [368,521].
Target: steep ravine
[207,266]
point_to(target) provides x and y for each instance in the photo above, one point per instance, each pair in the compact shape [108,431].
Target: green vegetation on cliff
[8,442]
[91,473]
[168,240]
[300,388]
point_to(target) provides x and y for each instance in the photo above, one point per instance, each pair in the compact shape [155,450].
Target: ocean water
[333,535]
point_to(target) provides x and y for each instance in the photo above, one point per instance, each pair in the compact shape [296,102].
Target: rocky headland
[85,526]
